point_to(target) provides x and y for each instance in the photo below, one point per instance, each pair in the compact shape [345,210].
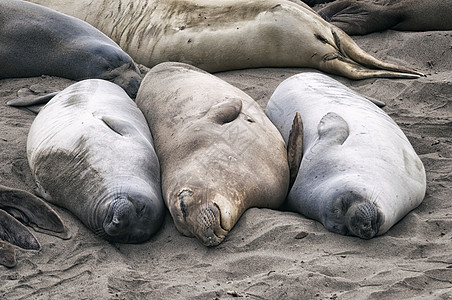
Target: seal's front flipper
[333,129]
[32,211]
[13,232]
[120,126]
[295,148]
[31,100]
[7,255]
[226,111]
[375,101]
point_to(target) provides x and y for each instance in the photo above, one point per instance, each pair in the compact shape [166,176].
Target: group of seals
[359,174]
[229,34]
[17,205]
[219,153]
[35,40]
[90,151]
[363,17]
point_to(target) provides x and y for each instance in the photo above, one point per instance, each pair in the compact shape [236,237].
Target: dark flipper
[14,232]
[32,211]
[7,254]
[295,148]
[359,17]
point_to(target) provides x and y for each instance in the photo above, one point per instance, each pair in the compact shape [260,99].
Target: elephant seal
[363,17]
[359,174]
[229,34]
[219,153]
[18,207]
[90,151]
[36,41]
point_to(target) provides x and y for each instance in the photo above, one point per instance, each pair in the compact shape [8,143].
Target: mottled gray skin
[229,34]
[18,207]
[35,40]
[219,153]
[363,17]
[90,151]
[359,174]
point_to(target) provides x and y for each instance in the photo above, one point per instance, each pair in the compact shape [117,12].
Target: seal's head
[132,218]
[208,216]
[110,63]
[354,214]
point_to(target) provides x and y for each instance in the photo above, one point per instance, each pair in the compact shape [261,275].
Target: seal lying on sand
[229,34]
[90,150]
[363,17]
[359,175]
[35,40]
[219,153]
[17,205]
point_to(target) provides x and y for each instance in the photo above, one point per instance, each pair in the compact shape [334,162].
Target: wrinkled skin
[256,33]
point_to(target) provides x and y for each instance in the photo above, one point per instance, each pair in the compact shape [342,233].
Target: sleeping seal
[90,151]
[363,17]
[229,34]
[219,153]
[359,175]
[35,40]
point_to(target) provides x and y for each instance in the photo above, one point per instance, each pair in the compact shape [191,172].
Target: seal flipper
[226,111]
[7,255]
[31,100]
[333,129]
[295,148]
[14,232]
[120,126]
[32,211]
[359,17]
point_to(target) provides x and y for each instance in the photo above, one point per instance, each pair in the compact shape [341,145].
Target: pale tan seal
[219,153]
[229,34]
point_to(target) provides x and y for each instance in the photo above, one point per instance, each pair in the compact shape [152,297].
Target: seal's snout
[118,217]
[365,222]
[209,227]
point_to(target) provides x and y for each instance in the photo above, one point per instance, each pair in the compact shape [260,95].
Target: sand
[269,254]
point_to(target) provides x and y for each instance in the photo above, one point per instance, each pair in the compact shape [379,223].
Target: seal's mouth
[195,217]
[209,229]
[365,221]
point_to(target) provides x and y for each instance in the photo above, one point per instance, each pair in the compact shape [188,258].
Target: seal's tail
[355,63]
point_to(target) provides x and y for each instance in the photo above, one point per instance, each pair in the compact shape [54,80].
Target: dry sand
[268,254]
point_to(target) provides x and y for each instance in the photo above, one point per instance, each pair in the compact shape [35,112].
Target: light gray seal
[229,34]
[36,41]
[219,153]
[359,174]
[363,17]
[90,151]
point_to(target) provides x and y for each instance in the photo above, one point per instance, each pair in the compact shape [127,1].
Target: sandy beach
[269,254]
